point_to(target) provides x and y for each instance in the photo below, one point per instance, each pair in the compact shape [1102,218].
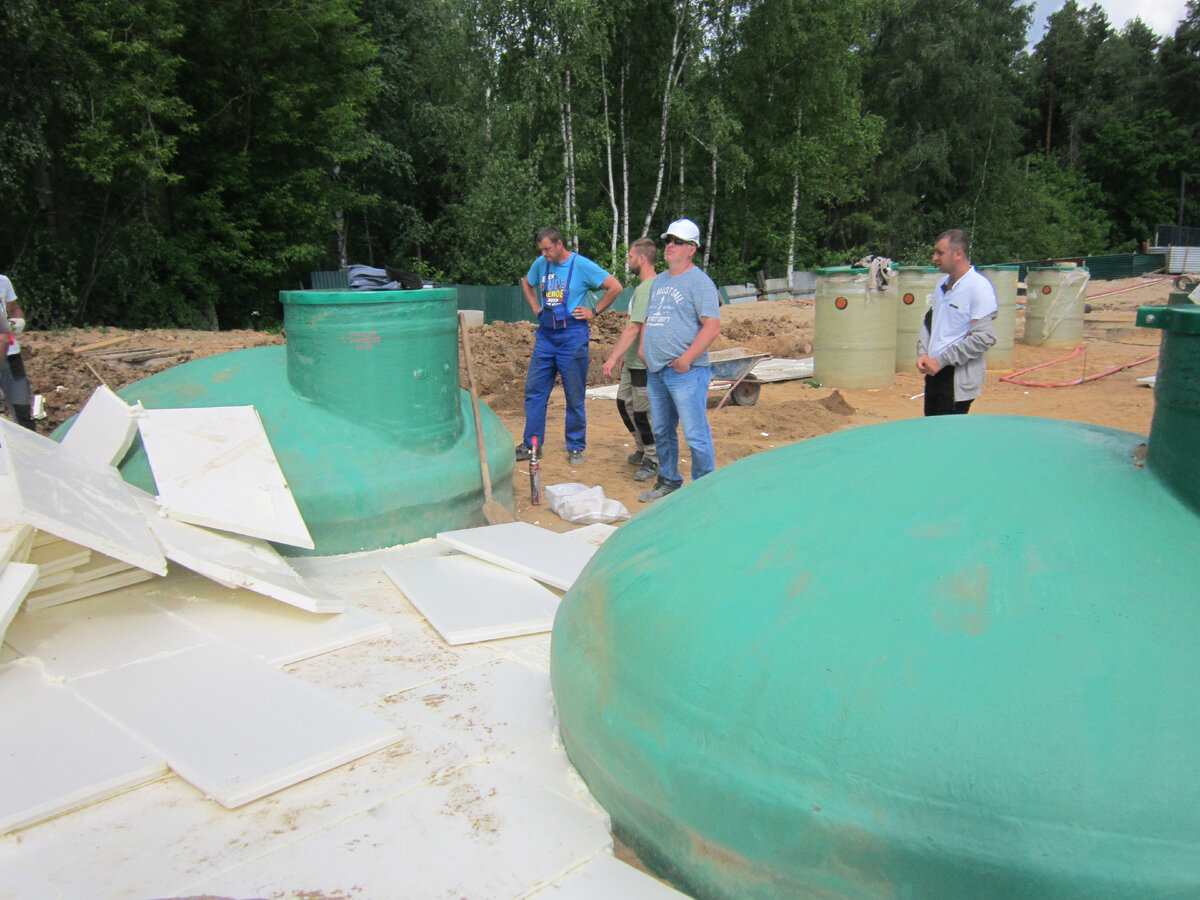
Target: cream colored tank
[1004,279]
[854,341]
[914,296]
[1054,298]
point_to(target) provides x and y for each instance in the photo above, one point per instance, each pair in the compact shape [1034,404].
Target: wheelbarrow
[734,366]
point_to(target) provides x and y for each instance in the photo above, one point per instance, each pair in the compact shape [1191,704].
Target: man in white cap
[682,320]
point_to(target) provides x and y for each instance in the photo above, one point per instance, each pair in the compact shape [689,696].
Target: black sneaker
[662,487]
[636,458]
[523,452]
[575,458]
[648,470]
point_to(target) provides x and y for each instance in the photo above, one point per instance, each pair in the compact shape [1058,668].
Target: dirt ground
[66,373]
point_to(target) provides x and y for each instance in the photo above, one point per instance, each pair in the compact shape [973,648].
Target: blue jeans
[561,352]
[681,400]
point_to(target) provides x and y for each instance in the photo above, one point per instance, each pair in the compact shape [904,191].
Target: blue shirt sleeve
[589,273]
[534,275]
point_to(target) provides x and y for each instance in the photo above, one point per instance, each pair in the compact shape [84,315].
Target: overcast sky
[1161,15]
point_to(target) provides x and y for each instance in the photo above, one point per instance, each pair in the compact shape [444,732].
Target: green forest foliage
[174,163]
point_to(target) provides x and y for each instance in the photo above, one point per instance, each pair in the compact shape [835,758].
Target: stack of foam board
[214,468]
[68,571]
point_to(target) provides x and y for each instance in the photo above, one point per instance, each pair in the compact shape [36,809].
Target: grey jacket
[966,355]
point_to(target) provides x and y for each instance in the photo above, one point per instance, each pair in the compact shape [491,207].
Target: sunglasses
[681,242]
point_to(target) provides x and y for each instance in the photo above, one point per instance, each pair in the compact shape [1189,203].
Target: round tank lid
[1071,268]
[327,298]
[841,270]
[1003,268]
[917,268]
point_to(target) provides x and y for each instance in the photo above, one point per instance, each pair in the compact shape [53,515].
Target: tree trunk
[624,149]
[712,209]
[339,218]
[612,195]
[791,257]
[568,137]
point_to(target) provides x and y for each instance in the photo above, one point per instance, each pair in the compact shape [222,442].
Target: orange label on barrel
[841,302]
[909,299]
[1046,289]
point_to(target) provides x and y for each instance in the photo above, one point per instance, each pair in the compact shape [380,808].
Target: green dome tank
[364,412]
[945,657]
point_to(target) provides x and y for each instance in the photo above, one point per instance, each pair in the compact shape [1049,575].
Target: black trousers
[939,395]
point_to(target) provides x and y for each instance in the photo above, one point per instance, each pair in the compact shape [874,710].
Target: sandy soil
[785,412]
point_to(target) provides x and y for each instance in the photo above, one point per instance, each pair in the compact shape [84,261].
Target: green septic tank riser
[364,413]
[1177,398]
[950,657]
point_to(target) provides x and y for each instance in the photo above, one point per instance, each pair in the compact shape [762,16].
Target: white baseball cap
[685,229]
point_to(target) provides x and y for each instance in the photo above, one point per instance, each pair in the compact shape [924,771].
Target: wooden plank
[96,346]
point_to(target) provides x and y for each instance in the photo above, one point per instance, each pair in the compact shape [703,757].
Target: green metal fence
[1105,268]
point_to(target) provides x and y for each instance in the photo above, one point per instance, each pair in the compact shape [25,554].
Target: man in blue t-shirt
[556,289]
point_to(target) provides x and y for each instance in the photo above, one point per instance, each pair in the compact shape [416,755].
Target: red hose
[1012,377]
[1132,287]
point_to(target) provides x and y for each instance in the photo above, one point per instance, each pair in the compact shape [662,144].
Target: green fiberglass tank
[364,413]
[946,657]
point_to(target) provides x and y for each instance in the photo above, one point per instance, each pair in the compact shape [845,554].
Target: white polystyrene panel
[99,633]
[16,540]
[66,593]
[78,501]
[474,833]
[98,566]
[236,561]
[274,632]
[57,752]
[546,555]
[483,711]
[58,557]
[104,428]
[469,600]
[596,533]
[215,467]
[15,581]
[232,725]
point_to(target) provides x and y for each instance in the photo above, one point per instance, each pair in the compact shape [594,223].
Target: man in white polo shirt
[957,331]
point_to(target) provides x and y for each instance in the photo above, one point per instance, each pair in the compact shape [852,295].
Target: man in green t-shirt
[632,401]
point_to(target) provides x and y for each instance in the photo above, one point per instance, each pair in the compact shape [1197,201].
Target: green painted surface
[363,411]
[1176,423]
[949,657]
[386,359]
[357,487]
